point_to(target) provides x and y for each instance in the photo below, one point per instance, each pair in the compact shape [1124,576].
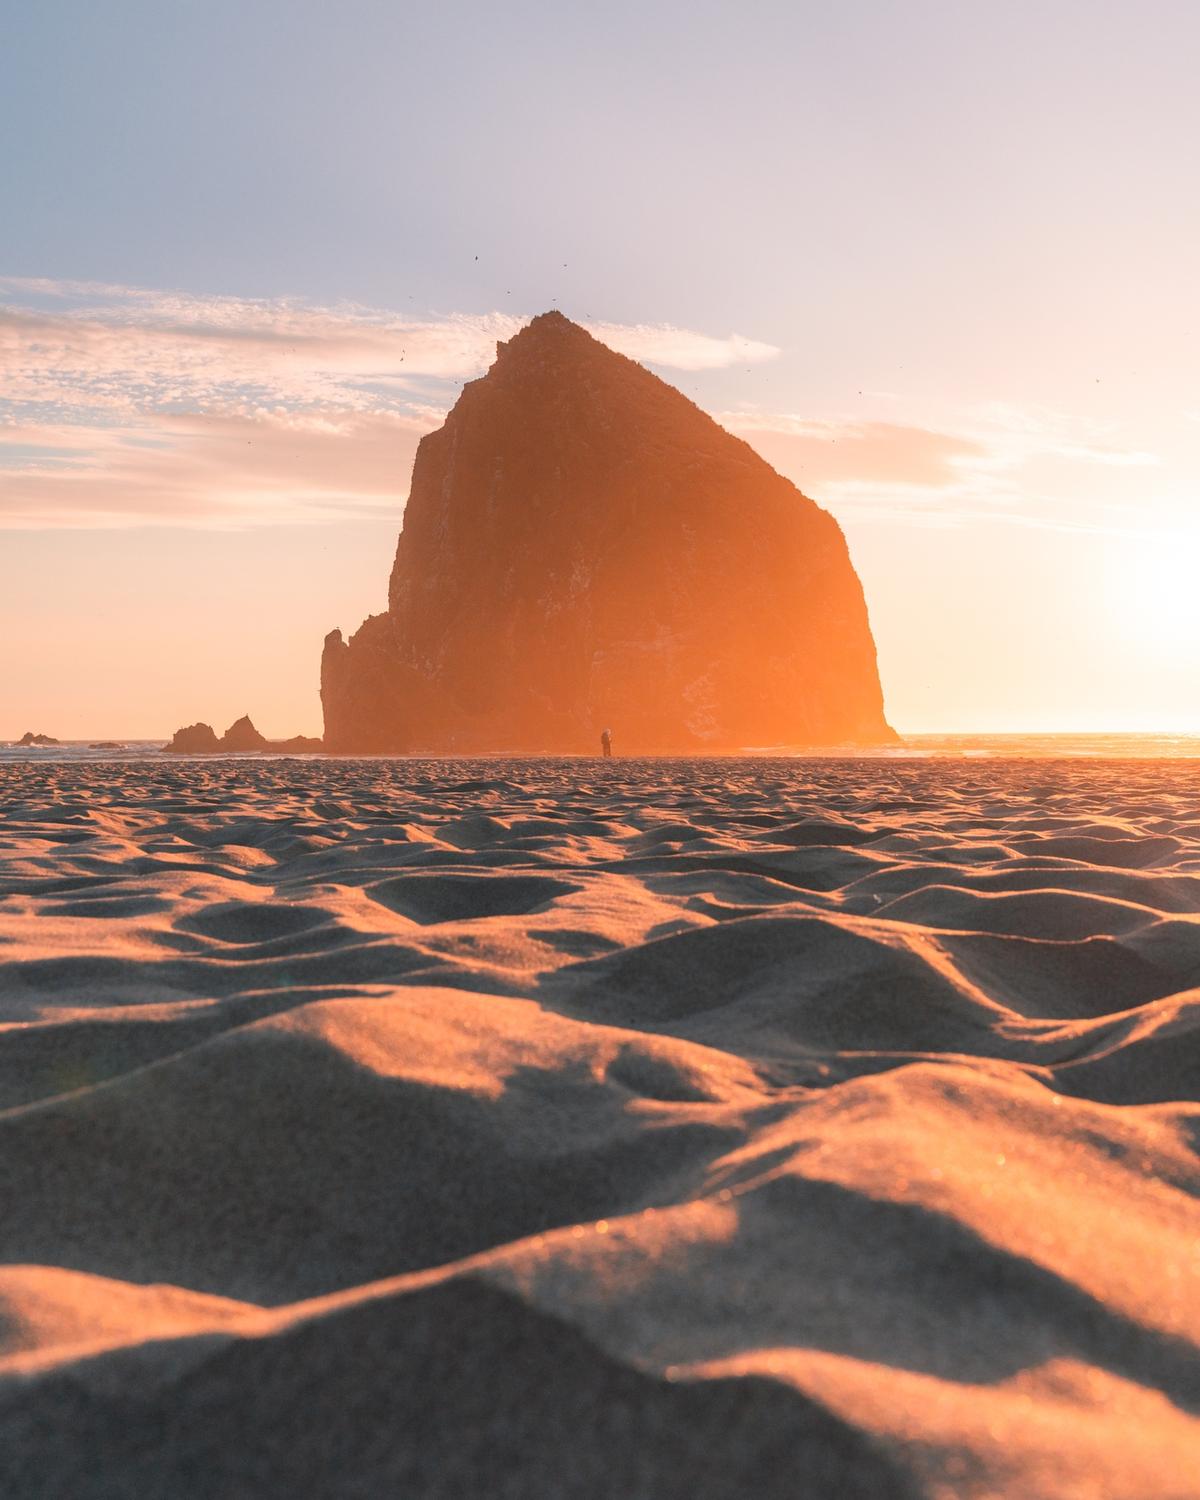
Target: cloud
[133,406]
[999,463]
[126,405]
[177,352]
[215,471]
[680,348]
[823,452]
[126,348]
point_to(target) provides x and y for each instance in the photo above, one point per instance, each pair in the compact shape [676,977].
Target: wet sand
[636,1129]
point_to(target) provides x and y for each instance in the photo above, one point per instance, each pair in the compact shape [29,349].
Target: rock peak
[548,330]
[551,319]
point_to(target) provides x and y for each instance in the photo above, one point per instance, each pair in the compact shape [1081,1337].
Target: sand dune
[645,1129]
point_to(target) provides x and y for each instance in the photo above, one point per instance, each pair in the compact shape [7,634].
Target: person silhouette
[605,742]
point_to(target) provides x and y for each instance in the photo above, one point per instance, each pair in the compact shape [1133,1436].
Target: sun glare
[1160,579]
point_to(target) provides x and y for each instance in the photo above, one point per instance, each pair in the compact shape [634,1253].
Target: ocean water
[914,746]
[82,750]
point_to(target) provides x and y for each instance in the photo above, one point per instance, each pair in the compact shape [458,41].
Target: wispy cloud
[999,463]
[139,354]
[125,405]
[681,348]
[211,470]
[132,406]
[128,347]
[831,451]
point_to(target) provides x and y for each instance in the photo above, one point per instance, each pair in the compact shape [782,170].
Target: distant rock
[29,738]
[242,736]
[194,739]
[583,548]
[105,745]
[299,744]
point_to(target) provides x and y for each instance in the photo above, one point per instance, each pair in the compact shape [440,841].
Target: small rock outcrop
[29,738]
[584,548]
[241,738]
[194,739]
[299,744]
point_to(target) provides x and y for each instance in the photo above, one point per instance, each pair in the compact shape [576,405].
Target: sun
[1158,591]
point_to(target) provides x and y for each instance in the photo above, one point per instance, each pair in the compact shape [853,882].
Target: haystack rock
[584,548]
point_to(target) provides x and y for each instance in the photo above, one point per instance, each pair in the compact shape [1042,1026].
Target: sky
[937,262]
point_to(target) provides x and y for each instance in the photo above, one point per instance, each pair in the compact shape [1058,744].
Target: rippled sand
[550,1128]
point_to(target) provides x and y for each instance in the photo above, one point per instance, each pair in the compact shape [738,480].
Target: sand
[551,1128]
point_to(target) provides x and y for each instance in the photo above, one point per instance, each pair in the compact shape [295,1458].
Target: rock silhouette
[29,738]
[241,738]
[583,546]
[194,739]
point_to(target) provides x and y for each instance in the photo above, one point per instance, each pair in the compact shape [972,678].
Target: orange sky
[198,489]
[937,263]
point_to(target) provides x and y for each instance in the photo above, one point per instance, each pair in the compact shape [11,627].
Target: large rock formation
[583,547]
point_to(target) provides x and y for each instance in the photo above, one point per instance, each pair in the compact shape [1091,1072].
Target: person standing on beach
[606,742]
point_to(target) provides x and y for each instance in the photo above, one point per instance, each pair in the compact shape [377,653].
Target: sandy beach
[633,1129]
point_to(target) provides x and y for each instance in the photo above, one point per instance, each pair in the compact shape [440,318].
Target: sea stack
[584,548]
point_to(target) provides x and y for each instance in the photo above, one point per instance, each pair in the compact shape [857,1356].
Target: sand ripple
[554,1128]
